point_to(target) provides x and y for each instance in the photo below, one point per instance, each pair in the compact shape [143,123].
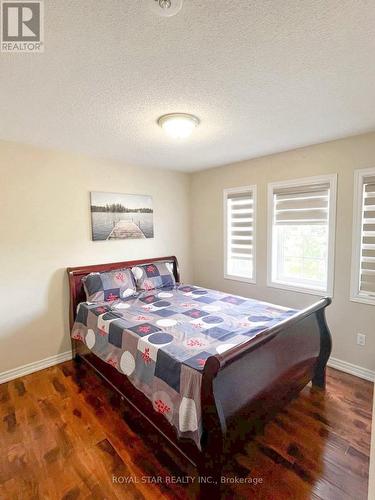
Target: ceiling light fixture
[166,8]
[178,125]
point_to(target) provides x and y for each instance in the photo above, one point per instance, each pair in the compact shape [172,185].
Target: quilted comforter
[161,339]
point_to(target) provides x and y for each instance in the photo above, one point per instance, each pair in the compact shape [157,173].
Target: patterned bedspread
[161,339]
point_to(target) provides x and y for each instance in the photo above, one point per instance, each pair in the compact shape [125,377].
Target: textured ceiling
[263,76]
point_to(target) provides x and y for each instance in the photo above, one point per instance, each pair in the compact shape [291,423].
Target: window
[301,234]
[363,263]
[239,233]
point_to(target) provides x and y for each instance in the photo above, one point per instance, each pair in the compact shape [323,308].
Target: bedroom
[274,116]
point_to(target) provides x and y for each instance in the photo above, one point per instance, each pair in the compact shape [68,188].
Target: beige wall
[371,486]
[342,157]
[45,227]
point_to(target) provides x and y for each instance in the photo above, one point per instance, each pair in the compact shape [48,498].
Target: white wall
[345,318]
[45,228]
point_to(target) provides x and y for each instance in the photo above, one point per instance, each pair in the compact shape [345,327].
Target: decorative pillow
[109,286]
[154,275]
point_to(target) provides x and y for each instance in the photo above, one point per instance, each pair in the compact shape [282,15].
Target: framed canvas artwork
[116,216]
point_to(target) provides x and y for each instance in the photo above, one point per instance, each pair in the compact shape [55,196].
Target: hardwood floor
[62,436]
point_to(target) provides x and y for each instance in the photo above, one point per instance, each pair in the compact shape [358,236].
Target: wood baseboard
[352,369]
[34,367]
[6,376]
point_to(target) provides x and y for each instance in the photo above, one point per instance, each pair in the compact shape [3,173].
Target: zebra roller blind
[302,205]
[367,274]
[240,232]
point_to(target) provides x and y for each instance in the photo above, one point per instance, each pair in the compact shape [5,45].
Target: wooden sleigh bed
[271,369]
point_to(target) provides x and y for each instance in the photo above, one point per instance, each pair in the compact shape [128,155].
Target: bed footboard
[248,384]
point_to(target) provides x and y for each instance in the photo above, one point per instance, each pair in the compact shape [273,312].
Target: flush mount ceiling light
[166,8]
[178,125]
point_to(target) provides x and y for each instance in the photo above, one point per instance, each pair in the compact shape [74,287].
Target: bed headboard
[77,293]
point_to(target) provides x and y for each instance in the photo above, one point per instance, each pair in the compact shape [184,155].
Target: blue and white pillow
[154,275]
[109,286]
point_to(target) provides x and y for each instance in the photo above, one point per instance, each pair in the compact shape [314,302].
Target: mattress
[161,339]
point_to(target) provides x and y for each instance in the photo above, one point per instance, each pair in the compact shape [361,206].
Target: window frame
[355,293]
[309,181]
[226,192]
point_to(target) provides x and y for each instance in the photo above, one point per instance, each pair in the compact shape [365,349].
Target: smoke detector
[166,8]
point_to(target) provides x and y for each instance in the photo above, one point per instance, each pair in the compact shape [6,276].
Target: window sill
[370,301]
[240,278]
[300,289]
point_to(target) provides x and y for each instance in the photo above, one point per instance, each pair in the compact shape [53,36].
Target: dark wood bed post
[319,378]
[214,430]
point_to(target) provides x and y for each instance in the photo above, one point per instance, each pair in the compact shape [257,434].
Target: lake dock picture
[118,216]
